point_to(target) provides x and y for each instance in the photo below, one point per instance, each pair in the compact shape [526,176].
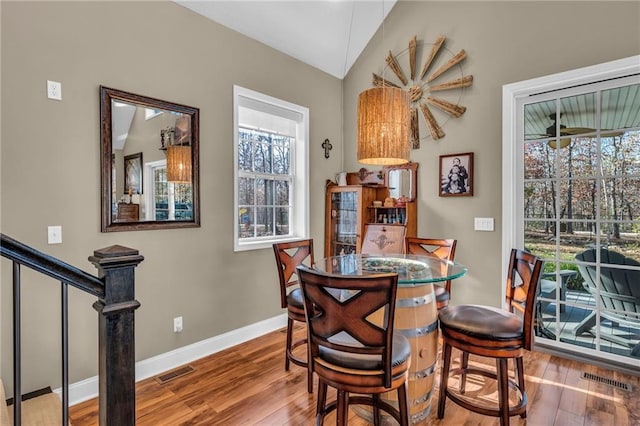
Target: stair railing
[116,304]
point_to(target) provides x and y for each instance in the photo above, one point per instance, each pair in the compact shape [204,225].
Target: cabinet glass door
[344,222]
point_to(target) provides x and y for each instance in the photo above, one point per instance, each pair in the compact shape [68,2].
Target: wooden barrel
[417,320]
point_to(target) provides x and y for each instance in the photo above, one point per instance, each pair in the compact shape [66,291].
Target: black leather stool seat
[400,354]
[442,295]
[483,322]
[294,298]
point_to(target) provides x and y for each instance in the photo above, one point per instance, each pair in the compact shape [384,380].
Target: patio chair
[619,291]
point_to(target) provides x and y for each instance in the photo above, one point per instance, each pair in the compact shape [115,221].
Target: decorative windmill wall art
[439,83]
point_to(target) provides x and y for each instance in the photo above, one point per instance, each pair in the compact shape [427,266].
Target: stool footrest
[294,359]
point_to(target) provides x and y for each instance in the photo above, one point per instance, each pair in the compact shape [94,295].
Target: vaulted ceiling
[328,35]
[331,34]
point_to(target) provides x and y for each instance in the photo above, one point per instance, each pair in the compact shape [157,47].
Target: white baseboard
[88,388]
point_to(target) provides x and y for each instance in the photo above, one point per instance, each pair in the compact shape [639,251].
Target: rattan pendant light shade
[179,163]
[383,126]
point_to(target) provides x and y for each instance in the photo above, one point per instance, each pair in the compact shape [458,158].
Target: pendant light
[383,124]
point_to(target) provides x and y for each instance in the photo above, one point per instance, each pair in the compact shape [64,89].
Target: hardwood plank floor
[247,385]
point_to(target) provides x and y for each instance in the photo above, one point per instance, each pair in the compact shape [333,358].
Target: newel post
[116,350]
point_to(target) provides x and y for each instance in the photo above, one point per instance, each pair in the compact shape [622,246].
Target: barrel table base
[417,320]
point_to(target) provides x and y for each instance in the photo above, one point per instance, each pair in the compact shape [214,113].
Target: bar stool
[352,345]
[441,248]
[495,333]
[290,255]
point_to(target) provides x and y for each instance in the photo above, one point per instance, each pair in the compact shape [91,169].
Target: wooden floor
[247,385]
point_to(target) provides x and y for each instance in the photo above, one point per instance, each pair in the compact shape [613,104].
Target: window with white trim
[270,170]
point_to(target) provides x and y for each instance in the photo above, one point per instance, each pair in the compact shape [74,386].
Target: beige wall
[50,150]
[505,42]
[50,169]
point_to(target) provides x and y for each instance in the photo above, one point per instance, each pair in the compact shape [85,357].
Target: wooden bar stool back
[289,256]
[441,248]
[352,344]
[496,333]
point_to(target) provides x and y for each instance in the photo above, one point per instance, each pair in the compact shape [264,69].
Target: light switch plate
[54,235]
[483,224]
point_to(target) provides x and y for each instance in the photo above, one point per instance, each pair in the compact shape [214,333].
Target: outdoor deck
[576,309]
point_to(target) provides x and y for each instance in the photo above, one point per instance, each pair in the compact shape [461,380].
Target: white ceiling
[326,34]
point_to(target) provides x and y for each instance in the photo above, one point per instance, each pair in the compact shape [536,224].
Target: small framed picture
[456,175]
[133,173]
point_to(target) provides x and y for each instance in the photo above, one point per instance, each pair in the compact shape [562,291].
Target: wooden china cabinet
[350,210]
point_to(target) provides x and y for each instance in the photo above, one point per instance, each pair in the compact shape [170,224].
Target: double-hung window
[270,170]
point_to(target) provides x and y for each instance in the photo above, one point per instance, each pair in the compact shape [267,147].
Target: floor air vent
[167,377]
[605,381]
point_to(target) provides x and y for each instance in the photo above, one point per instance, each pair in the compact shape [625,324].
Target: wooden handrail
[50,266]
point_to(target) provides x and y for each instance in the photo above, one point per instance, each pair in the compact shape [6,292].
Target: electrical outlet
[54,90]
[54,235]
[177,324]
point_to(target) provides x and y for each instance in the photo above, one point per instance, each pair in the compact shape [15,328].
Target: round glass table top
[411,269]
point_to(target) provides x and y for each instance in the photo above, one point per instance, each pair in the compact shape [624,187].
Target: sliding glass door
[579,209]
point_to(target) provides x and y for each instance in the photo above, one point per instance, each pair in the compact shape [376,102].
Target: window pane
[536,119]
[244,151]
[621,110]
[577,114]
[245,222]
[262,156]
[282,156]
[576,236]
[539,238]
[245,191]
[539,160]
[580,158]
[621,155]
[264,221]
[269,194]
[282,221]
[620,198]
[261,190]
[539,201]
[282,193]
[161,193]
[577,199]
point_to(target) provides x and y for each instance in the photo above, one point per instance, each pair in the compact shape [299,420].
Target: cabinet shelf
[349,209]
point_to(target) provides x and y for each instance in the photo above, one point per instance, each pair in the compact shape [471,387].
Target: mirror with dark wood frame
[401,180]
[149,163]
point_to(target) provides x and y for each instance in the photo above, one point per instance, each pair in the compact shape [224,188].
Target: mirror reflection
[149,162]
[400,183]
[401,180]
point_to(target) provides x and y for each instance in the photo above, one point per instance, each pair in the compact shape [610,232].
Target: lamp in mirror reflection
[177,142]
[179,163]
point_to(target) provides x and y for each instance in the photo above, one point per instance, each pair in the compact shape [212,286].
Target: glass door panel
[344,222]
[581,214]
